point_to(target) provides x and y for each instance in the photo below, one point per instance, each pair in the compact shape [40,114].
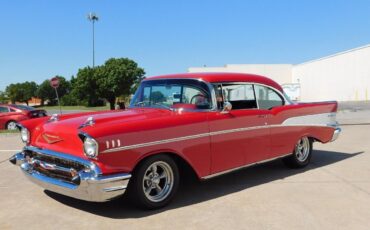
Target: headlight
[90,147]
[25,135]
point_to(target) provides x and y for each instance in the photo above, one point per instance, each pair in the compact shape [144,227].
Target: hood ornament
[89,122]
[54,117]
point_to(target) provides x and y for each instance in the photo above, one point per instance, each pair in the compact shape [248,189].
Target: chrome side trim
[156,143]
[238,130]
[303,125]
[243,167]
[205,135]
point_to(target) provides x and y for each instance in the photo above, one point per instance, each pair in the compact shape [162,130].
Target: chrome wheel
[302,149]
[12,125]
[158,181]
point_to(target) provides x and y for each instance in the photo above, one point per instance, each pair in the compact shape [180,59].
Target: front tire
[11,125]
[302,154]
[154,182]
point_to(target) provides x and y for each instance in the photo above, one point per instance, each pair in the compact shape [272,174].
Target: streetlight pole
[93,17]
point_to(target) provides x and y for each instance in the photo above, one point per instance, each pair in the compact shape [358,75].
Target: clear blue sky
[41,39]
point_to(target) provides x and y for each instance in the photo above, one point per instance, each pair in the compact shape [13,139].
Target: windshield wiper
[163,106]
[140,103]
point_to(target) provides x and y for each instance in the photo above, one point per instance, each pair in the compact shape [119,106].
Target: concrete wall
[281,73]
[343,77]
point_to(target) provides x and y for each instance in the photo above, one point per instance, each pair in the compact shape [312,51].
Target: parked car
[10,115]
[217,123]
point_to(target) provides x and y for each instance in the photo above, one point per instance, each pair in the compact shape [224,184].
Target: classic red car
[10,115]
[213,123]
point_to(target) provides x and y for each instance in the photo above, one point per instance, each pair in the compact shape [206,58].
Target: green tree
[46,92]
[4,99]
[21,92]
[115,78]
[84,86]
[30,89]
[157,97]
[12,92]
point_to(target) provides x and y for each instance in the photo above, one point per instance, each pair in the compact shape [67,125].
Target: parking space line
[10,150]
[351,124]
[3,161]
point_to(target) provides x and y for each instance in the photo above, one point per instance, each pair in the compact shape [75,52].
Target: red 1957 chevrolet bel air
[213,123]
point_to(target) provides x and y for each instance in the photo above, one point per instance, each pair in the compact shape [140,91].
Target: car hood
[63,135]
[106,118]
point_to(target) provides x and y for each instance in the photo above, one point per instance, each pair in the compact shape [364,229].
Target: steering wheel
[195,96]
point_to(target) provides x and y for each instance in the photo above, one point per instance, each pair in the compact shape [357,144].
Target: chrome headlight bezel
[25,135]
[91,147]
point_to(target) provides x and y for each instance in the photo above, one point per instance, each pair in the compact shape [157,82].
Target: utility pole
[93,17]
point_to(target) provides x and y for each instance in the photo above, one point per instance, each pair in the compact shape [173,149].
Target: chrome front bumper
[336,133]
[88,183]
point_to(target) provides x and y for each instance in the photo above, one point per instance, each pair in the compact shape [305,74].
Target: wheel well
[184,167]
[313,139]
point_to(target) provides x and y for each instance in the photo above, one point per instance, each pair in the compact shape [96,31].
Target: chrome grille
[63,169]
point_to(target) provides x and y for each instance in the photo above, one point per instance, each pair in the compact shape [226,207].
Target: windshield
[172,94]
[23,107]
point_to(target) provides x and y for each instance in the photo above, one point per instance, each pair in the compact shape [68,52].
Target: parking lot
[332,193]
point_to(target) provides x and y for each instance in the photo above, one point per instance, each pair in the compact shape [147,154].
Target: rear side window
[4,109]
[267,98]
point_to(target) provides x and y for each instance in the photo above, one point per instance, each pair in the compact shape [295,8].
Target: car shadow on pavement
[192,191]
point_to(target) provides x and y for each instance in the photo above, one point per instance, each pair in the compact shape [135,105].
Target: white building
[343,76]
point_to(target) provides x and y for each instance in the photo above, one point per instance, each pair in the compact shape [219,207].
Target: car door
[282,138]
[240,136]
[4,114]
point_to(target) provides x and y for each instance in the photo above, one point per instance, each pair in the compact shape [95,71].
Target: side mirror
[227,107]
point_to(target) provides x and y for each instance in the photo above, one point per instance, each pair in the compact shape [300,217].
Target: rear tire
[302,154]
[154,183]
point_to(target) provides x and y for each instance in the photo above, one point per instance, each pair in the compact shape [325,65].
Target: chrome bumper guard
[87,183]
[336,133]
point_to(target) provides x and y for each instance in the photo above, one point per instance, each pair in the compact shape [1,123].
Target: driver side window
[175,95]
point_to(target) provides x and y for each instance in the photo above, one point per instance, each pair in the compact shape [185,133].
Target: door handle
[262,116]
